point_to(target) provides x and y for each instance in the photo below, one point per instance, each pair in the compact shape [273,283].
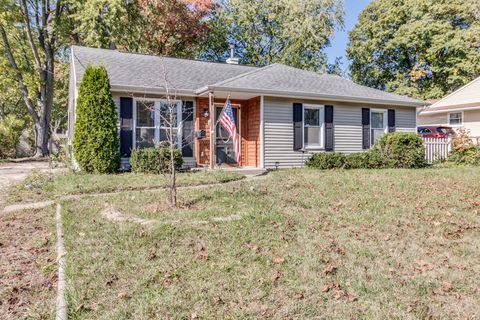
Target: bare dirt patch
[27,264]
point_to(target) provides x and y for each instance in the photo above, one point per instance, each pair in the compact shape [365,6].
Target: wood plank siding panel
[249,133]
[347,119]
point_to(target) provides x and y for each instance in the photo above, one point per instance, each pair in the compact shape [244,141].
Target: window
[152,122]
[145,130]
[313,126]
[378,124]
[455,118]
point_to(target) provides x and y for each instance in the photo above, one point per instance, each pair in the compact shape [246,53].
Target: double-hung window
[152,122]
[378,124]
[455,118]
[313,116]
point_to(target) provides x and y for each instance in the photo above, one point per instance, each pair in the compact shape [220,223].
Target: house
[460,109]
[283,114]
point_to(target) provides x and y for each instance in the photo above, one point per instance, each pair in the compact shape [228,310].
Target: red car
[435,132]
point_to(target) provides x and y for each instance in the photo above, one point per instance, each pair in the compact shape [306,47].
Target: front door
[225,152]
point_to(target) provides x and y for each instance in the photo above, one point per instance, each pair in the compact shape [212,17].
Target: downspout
[262,134]
[211,125]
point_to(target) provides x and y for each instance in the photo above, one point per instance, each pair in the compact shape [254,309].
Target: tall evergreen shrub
[96,142]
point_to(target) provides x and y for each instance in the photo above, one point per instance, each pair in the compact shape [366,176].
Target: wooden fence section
[436,148]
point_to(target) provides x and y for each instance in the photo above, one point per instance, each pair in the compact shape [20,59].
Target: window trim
[458,124]
[321,108]
[385,123]
[157,121]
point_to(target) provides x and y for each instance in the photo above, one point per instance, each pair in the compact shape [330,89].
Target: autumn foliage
[174,26]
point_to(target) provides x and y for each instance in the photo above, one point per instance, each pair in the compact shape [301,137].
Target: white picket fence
[437,148]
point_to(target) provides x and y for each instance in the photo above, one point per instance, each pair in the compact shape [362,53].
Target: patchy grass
[41,185]
[27,265]
[309,244]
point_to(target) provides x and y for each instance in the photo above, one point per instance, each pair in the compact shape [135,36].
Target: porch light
[206,114]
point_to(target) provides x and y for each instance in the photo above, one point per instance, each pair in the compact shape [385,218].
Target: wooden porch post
[211,99]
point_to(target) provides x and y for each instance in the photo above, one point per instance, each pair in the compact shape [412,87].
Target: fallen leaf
[329,269]
[112,279]
[326,288]
[298,296]
[277,258]
[277,276]
[446,287]
[351,297]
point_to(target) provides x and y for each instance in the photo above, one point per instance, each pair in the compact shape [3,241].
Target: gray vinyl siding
[406,119]
[347,119]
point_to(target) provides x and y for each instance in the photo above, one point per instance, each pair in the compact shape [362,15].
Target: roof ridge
[163,56]
[243,75]
[456,91]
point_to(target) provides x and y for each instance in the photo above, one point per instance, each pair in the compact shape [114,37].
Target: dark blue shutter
[365,128]
[329,133]
[126,126]
[297,126]
[187,129]
[391,120]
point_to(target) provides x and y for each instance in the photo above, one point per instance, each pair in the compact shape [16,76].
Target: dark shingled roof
[278,78]
[140,70]
[193,76]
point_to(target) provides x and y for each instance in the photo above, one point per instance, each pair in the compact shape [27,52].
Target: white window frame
[385,123]
[321,137]
[157,121]
[457,124]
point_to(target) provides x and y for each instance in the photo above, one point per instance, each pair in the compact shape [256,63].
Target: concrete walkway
[15,172]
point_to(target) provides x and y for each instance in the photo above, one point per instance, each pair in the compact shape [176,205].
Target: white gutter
[152,90]
[309,95]
[449,110]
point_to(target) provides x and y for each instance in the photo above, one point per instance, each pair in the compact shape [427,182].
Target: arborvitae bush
[96,142]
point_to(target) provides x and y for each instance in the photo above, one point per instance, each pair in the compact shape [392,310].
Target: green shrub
[154,160]
[10,131]
[326,160]
[401,150]
[95,142]
[371,159]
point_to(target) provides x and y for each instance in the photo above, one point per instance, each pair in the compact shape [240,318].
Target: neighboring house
[460,109]
[283,114]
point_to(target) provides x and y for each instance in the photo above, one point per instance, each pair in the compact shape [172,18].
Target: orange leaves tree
[164,27]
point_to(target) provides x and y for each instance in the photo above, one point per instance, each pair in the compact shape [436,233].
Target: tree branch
[18,76]
[36,56]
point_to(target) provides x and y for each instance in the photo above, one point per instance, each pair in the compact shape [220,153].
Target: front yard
[296,244]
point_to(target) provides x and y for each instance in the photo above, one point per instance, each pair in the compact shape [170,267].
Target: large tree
[421,48]
[165,27]
[28,32]
[292,32]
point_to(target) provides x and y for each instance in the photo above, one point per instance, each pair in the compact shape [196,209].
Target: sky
[339,43]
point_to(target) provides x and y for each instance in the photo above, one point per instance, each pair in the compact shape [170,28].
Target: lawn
[297,244]
[27,265]
[40,186]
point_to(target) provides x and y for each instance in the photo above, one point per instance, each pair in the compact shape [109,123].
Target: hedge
[154,160]
[393,150]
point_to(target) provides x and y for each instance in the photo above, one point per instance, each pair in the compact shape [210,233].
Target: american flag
[228,122]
